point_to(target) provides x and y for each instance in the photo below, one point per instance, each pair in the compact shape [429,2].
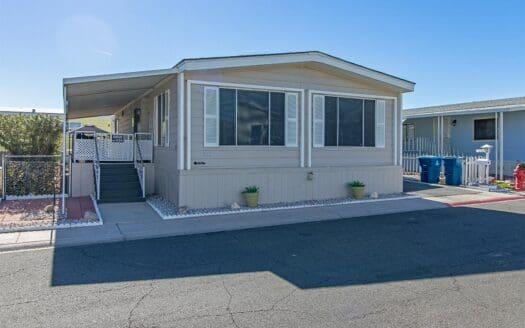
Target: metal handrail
[139,165]
[96,167]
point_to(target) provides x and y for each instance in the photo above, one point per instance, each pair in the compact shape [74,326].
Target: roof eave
[118,76]
[512,108]
[290,58]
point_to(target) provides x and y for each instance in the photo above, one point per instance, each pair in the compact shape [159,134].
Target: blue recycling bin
[453,170]
[430,168]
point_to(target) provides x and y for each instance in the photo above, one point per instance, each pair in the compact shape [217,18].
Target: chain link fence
[31,176]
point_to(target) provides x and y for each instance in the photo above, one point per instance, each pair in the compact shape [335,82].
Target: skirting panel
[221,187]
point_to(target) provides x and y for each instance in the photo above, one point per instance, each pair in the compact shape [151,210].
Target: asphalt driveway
[453,267]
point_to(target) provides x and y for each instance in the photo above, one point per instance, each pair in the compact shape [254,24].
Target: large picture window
[161,104]
[249,117]
[342,121]
[485,129]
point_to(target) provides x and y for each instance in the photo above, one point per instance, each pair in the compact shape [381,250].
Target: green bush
[250,190]
[34,134]
[355,183]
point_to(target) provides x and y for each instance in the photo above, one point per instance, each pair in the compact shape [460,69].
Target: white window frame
[257,89]
[364,97]
[166,94]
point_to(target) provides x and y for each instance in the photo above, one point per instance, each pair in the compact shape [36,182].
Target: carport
[104,95]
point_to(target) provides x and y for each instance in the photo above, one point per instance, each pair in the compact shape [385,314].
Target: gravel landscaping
[38,214]
[168,210]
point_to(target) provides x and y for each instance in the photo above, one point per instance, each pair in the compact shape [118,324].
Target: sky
[455,51]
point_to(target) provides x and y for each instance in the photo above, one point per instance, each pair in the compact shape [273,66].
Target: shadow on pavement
[432,190]
[416,245]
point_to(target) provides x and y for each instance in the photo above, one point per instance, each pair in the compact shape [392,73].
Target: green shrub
[34,134]
[355,183]
[250,190]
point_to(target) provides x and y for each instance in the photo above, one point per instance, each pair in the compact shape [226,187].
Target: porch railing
[111,147]
[96,168]
[139,165]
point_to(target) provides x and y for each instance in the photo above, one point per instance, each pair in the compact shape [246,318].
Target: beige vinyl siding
[350,156]
[293,76]
[165,158]
[221,187]
[233,156]
[286,76]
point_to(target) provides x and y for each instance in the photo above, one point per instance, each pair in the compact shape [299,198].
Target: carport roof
[107,94]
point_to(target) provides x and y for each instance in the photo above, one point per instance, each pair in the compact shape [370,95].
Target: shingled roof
[474,107]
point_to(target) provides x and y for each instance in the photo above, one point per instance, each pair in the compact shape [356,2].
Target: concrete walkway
[131,221]
[457,196]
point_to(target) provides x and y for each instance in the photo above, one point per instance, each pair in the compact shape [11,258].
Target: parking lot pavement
[447,267]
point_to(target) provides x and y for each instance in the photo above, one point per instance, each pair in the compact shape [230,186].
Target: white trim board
[180,121]
[256,87]
[474,111]
[117,76]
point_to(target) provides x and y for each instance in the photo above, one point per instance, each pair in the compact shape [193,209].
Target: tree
[34,134]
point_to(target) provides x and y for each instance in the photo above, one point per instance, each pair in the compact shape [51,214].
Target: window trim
[269,91]
[363,98]
[484,119]
[312,93]
[156,131]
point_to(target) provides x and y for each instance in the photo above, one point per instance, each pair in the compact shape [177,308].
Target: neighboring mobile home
[298,125]
[462,128]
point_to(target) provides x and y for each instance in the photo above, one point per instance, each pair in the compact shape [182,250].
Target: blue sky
[455,51]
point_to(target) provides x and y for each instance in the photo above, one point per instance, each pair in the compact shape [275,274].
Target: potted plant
[251,196]
[356,188]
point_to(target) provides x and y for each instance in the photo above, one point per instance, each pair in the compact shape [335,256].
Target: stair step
[124,164]
[121,199]
[124,174]
[118,178]
[118,186]
[122,192]
[118,171]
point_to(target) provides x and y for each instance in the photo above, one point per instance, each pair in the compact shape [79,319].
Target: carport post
[501,159]
[64,151]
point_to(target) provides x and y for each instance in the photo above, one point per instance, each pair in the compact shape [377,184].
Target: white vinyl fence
[472,172]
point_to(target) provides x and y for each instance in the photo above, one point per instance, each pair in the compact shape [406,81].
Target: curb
[202,229]
[486,200]
[33,245]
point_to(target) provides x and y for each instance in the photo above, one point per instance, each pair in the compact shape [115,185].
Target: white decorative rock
[90,215]
[182,210]
[374,195]
[235,206]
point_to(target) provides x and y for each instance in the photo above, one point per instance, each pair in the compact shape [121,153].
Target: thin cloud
[103,52]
